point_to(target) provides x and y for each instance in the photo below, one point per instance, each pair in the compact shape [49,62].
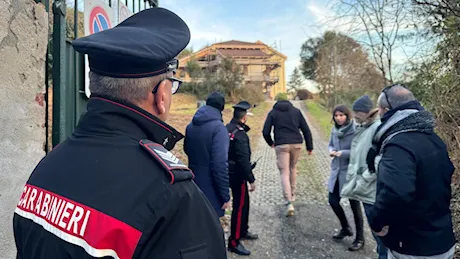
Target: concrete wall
[23,42]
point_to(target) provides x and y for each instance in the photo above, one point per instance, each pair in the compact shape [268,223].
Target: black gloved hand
[253,165]
[370,159]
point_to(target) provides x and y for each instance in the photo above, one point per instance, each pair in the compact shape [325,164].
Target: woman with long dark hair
[339,149]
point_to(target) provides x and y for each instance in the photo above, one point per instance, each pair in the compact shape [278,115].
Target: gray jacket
[339,165]
[360,184]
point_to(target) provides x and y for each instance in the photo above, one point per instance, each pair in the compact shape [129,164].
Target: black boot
[356,245]
[250,236]
[359,223]
[345,232]
[239,249]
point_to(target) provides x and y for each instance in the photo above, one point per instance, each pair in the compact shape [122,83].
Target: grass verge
[321,116]
[309,178]
[184,107]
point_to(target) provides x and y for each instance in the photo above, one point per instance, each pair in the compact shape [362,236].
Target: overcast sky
[287,22]
[282,24]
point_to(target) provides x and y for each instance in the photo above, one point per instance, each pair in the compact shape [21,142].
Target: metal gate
[68,67]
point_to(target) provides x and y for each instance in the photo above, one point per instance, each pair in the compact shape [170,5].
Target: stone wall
[23,43]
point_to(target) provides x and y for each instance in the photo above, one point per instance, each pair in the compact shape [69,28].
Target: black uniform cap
[143,45]
[244,105]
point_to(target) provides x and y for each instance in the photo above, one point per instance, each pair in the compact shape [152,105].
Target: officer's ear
[245,117]
[162,99]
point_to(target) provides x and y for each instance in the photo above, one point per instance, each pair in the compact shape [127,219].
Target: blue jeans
[381,249]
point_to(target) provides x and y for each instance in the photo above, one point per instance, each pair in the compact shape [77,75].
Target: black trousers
[334,201]
[240,212]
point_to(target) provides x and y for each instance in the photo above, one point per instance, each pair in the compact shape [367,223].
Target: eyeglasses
[384,91]
[175,85]
[173,65]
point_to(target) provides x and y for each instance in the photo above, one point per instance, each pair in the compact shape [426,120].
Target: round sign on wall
[98,20]
[124,13]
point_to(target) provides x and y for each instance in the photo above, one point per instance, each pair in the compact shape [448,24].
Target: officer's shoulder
[231,126]
[174,169]
[240,132]
[235,128]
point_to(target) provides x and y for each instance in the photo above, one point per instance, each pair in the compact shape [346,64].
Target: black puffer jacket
[413,184]
[287,121]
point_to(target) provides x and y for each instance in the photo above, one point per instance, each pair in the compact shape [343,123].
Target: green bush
[281,96]
[250,92]
[194,88]
[346,97]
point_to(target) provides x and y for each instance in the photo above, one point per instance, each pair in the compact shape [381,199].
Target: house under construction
[262,65]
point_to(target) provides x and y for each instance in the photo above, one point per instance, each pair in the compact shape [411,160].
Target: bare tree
[342,68]
[382,26]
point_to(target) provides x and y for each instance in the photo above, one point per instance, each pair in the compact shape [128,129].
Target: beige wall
[255,69]
[280,87]
[23,43]
[280,72]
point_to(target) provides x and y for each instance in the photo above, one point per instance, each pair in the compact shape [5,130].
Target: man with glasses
[113,189]
[411,213]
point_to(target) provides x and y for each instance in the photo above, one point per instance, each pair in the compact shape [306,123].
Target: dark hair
[345,110]
[238,114]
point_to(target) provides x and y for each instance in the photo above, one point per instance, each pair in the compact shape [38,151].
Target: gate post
[59,72]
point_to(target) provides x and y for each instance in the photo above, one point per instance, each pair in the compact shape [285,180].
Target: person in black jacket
[113,189]
[287,122]
[412,209]
[240,171]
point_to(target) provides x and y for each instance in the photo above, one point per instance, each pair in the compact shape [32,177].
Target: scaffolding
[261,64]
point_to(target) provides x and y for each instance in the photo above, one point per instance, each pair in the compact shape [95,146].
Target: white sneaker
[290,210]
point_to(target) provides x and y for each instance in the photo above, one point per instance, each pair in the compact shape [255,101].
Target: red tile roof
[233,42]
[242,53]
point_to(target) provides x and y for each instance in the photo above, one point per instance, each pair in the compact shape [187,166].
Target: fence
[66,68]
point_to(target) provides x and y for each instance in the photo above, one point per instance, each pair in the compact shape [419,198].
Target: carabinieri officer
[240,172]
[113,189]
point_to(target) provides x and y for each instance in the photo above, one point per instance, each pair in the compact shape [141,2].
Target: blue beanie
[216,100]
[363,104]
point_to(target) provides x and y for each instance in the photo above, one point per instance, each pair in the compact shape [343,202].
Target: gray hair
[132,90]
[395,96]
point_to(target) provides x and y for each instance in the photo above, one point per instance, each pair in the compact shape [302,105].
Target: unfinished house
[262,65]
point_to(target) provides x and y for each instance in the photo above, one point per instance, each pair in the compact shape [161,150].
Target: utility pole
[335,69]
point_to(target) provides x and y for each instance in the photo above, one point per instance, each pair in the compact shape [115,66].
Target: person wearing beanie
[216,100]
[206,145]
[361,184]
[363,104]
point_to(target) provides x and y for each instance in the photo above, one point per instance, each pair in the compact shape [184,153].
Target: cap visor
[249,114]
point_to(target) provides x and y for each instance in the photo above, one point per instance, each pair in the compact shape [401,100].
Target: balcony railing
[205,64]
[261,78]
[247,78]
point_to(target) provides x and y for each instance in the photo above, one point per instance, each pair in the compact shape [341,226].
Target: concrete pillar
[23,43]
